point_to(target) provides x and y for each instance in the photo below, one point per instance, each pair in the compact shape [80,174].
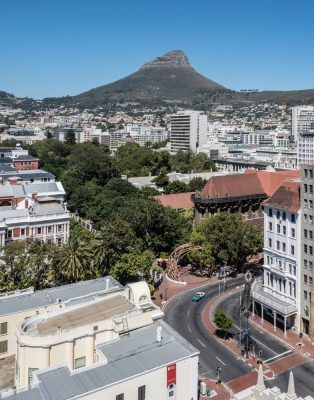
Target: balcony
[281,307]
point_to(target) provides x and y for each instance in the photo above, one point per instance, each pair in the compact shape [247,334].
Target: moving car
[198,296]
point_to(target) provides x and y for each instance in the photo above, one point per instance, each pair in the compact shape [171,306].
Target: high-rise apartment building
[307,249]
[188,130]
[296,111]
[305,135]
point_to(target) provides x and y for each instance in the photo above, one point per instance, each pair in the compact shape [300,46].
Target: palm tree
[75,257]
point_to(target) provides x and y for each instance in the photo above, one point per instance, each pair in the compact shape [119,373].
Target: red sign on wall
[171,374]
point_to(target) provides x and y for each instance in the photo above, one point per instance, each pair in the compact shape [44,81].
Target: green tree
[13,272]
[76,261]
[133,267]
[115,238]
[230,239]
[222,321]
[69,137]
[176,187]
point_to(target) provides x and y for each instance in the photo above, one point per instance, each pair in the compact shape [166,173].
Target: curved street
[185,316]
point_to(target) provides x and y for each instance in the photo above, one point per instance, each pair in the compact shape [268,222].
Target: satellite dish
[159,334]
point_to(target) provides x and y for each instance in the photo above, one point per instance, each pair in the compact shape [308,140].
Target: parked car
[198,296]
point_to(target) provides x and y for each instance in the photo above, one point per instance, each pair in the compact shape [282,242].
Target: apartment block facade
[188,130]
[305,126]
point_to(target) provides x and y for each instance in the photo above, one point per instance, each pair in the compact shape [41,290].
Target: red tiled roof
[176,201]
[271,180]
[232,186]
[286,197]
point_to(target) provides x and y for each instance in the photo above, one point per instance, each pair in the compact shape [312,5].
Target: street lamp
[218,376]
[246,304]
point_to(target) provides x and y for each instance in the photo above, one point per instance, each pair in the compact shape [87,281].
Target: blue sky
[64,47]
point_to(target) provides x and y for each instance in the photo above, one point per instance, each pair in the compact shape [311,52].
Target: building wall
[25,165]
[307,246]
[281,256]
[155,383]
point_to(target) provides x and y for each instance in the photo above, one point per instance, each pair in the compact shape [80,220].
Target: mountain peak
[174,58]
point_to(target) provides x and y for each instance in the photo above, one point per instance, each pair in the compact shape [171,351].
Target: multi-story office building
[307,249]
[296,112]
[305,125]
[277,295]
[188,130]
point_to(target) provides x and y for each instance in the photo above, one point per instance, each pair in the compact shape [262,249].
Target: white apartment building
[295,114]
[143,134]
[277,295]
[305,136]
[214,148]
[188,130]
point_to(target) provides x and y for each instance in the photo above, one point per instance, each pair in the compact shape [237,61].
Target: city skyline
[62,49]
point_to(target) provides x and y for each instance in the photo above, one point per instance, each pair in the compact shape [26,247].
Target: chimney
[26,202]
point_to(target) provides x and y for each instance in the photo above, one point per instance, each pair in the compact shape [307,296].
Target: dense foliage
[228,239]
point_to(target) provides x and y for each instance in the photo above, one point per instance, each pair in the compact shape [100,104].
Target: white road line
[217,358]
[278,355]
[201,343]
[189,328]
[189,312]
[258,341]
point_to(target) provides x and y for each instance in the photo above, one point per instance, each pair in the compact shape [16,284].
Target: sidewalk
[168,288]
[303,347]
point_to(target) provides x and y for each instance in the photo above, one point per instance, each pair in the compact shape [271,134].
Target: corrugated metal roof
[41,298]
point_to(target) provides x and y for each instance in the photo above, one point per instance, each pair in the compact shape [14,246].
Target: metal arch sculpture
[173,261]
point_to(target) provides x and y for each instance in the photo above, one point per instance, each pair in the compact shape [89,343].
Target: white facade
[214,148]
[188,130]
[305,136]
[296,111]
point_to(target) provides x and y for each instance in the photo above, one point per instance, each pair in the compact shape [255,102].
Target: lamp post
[246,304]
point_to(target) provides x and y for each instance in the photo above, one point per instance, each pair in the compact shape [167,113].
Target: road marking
[189,312]
[201,343]
[278,355]
[189,328]
[217,358]
[258,341]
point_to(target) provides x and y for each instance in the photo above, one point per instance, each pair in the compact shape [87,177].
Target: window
[305,279]
[311,234]
[270,226]
[141,393]
[120,396]
[293,218]
[269,242]
[305,217]
[311,250]
[305,188]
[311,219]
[277,245]
[311,189]
[293,232]
[49,229]
[31,375]
[290,269]
[311,173]
[278,214]
[311,203]
[305,249]
[305,203]
[305,264]
[79,362]
[305,173]
[9,234]
[305,295]
[59,228]
[3,328]
[284,230]
[310,265]
[270,212]
[311,280]
[3,346]
[39,231]
[284,216]
[283,246]
[278,228]
[305,233]
[292,250]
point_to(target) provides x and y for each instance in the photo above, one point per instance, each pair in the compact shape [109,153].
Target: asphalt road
[272,350]
[185,317]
